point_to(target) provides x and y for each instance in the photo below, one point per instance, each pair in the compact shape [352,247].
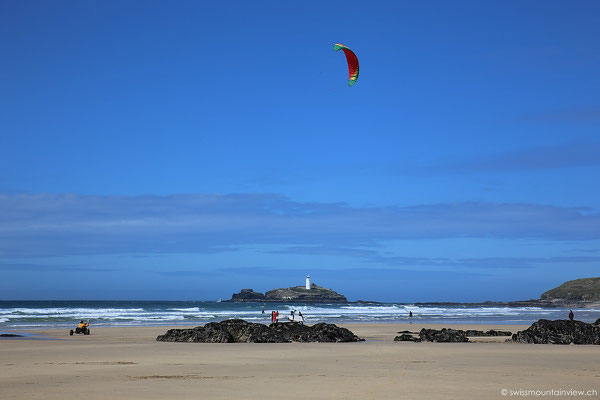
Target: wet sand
[127,363]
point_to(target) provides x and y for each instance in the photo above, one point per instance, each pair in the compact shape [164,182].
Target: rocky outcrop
[10,335]
[240,331]
[248,295]
[405,337]
[446,335]
[491,332]
[295,332]
[597,322]
[559,332]
[316,294]
[442,336]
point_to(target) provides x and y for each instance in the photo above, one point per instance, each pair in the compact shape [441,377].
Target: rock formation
[446,335]
[406,338]
[442,336]
[559,332]
[240,331]
[248,295]
[491,332]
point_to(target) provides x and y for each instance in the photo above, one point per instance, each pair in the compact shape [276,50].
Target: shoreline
[128,363]
[455,324]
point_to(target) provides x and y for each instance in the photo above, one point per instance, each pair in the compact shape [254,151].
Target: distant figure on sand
[410,315]
[571,315]
[273,318]
[301,317]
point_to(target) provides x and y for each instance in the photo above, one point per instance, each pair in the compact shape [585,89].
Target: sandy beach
[127,363]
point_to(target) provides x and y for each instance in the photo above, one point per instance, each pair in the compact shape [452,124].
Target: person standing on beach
[571,315]
[301,317]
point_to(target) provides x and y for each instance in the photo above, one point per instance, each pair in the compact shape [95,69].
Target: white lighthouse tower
[307,282]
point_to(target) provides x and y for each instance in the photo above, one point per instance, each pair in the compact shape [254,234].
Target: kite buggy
[82,328]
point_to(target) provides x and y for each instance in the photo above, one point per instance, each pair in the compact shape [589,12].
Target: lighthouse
[307,282]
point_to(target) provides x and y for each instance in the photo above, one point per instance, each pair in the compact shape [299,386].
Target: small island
[309,293]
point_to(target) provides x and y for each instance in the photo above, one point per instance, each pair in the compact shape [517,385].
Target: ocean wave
[190,309]
[148,313]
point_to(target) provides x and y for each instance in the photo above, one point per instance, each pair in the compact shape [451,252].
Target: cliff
[300,294]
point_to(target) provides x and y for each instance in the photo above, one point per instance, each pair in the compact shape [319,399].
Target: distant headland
[581,293]
[309,293]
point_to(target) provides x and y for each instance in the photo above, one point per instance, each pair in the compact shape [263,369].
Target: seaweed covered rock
[229,331]
[240,331]
[491,332]
[559,332]
[443,335]
[295,332]
[405,337]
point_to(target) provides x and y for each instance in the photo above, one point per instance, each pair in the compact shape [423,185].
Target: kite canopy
[352,63]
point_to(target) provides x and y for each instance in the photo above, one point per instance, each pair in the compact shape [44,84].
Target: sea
[59,314]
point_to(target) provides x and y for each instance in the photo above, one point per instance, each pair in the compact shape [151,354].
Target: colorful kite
[352,63]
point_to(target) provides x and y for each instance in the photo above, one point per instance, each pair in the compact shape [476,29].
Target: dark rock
[442,336]
[597,322]
[296,332]
[406,338]
[229,331]
[559,332]
[491,332]
[10,335]
[408,332]
[240,331]
[247,295]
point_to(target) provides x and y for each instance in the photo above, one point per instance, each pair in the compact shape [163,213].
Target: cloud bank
[69,224]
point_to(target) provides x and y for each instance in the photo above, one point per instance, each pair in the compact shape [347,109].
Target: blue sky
[185,150]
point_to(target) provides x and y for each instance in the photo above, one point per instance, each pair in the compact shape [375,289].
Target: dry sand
[127,363]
